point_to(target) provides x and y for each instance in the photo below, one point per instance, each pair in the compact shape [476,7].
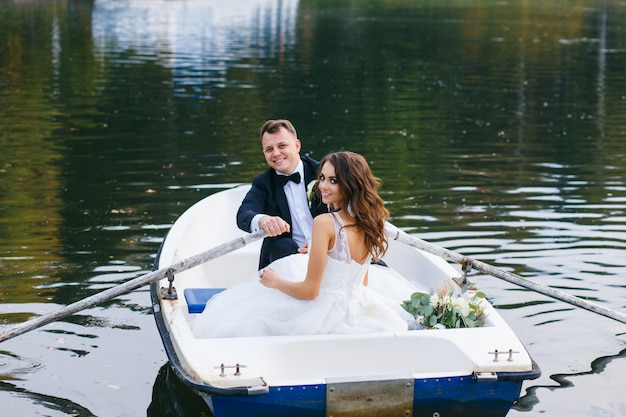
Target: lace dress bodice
[342,275]
[341,250]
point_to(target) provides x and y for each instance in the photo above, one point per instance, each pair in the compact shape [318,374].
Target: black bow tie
[284,179]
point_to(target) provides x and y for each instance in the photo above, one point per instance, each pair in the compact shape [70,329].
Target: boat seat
[197,297]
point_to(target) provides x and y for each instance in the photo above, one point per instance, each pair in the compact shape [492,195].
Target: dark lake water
[497,127]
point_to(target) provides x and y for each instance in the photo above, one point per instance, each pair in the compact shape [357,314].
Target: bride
[324,291]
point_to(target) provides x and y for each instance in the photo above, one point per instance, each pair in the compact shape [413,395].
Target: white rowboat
[449,372]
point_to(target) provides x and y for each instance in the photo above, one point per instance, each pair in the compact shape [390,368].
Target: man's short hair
[273,126]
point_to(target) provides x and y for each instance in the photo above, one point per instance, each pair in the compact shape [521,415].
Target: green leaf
[424,310]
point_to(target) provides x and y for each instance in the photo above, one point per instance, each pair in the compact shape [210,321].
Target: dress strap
[341,250]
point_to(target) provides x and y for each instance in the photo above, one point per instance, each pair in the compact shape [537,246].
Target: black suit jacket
[267,196]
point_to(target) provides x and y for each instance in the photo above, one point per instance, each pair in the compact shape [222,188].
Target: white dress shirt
[301,219]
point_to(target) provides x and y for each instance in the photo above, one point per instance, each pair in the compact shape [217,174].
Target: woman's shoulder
[325,222]
[324,219]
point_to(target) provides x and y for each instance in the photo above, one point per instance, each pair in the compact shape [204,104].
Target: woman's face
[329,188]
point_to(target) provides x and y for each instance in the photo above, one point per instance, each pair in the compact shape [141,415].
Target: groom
[277,201]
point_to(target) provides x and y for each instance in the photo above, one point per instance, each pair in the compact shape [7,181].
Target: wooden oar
[400,236]
[133,284]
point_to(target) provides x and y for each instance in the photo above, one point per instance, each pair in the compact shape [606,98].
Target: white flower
[309,190]
[434,300]
[461,304]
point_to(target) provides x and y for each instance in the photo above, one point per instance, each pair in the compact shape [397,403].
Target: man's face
[281,150]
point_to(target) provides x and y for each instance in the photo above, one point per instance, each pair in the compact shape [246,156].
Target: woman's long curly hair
[359,188]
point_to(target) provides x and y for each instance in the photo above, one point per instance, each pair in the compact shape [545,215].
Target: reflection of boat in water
[172,398]
[456,372]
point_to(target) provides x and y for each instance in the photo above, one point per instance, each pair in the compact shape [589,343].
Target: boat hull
[430,397]
[490,399]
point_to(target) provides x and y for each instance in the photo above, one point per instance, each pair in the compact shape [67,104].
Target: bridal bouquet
[447,309]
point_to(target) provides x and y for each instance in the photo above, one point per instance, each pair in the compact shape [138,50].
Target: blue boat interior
[197,298]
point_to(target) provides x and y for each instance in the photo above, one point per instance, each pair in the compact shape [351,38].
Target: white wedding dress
[343,305]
